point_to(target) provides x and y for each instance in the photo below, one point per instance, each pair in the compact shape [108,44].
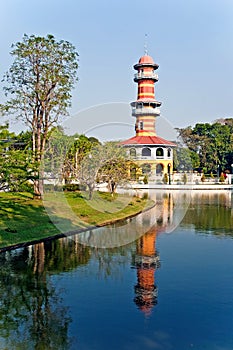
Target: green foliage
[74,187]
[184,159]
[210,144]
[15,161]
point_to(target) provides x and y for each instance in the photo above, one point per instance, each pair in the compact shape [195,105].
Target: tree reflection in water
[211,212]
[32,314]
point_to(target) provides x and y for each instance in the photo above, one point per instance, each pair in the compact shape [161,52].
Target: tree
[116,169]
[183,159]
[64,154]
[105,162]
[39,82]
[210,145]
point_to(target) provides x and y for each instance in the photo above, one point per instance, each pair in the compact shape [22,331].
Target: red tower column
[146,107]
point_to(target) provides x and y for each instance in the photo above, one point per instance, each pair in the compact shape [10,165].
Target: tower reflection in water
[147,260]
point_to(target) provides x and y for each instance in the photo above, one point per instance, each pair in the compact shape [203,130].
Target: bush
[74,187]
[203,178]
[145,195]
[145,180]
[165,179]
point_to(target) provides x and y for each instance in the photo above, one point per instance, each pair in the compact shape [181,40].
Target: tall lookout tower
[153,154]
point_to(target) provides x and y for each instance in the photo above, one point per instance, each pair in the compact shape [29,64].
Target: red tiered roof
[146,59]
[148,140]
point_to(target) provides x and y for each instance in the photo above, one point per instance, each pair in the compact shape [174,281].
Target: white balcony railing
[149,75]
[146,111]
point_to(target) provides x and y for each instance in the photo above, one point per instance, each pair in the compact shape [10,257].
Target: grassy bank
[23,219]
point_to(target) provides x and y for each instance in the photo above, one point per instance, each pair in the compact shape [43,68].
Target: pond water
[163,280]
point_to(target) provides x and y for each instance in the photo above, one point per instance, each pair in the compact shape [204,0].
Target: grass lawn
[23,219]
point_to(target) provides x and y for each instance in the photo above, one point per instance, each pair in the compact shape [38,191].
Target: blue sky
[190,40]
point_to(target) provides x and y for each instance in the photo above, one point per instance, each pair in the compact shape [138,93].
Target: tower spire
[145,45]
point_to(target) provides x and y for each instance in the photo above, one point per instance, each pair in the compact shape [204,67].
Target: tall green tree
[39,84]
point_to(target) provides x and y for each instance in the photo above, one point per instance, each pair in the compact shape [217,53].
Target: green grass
[23,219]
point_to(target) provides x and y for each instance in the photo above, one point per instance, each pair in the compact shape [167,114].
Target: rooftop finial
[145,45]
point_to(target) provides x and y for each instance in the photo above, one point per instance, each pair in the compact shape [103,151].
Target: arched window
[132,152]
[159,152]
[146,152]
[169,152]
[146,169]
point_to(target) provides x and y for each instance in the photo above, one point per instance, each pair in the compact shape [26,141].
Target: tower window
[141,125]
[159,152]
[146,152]
[132,152]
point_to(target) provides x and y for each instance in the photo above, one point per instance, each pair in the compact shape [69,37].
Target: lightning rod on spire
[145,45]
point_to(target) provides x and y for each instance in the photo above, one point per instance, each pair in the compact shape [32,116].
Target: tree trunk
[38,189]
[91,189]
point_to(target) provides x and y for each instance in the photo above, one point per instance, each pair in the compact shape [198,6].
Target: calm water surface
[167,285]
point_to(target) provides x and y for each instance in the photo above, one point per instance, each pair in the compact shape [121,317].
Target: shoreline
[71,233]
[212,187]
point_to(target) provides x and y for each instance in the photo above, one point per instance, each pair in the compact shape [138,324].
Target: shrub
[203,178]
[165,179]
[145,180]
[74,187]
[185,178]
[145,195]
[222,178]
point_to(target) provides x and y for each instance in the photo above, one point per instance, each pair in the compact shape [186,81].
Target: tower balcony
[145,111]
[140,75]
[147,292]
[147,261]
